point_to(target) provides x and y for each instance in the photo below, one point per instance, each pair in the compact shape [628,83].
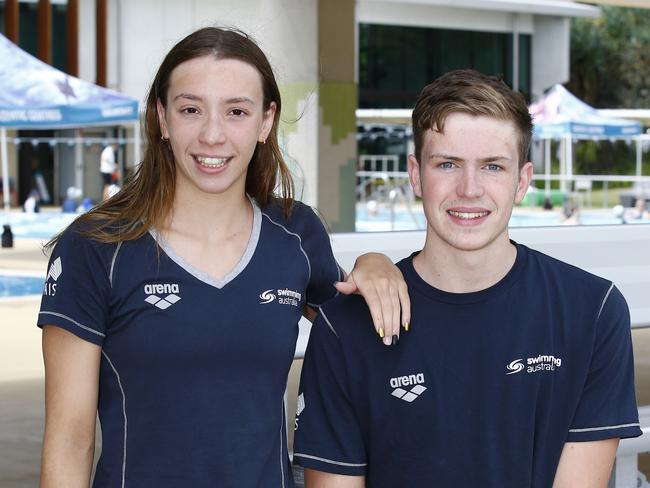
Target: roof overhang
[623,3]
[560,8]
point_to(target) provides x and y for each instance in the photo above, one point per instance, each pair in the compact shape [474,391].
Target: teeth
[467,215]
[211,162]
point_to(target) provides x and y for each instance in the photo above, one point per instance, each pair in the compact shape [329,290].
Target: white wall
[419,15]
[550,53]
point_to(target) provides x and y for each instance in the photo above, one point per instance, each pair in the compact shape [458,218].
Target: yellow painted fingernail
[381,332]
[406,326]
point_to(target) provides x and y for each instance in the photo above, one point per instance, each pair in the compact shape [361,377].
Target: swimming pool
[45,225]
[42,225]
[19,285]
[383,219]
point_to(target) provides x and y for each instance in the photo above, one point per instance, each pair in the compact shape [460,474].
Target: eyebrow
[190,96]
[489,159]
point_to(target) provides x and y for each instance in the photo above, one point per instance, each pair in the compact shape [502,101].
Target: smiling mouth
[212,163]
[467,215]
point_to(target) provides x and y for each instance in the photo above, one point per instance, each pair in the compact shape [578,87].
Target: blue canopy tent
[34,95]
[561,115]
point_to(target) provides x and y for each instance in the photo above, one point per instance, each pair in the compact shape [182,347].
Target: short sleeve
[328,436]
[607,408]
[77,289]
[324,268]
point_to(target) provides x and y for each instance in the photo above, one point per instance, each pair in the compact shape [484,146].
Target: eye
[493,167]
[446,165]
[190,110]
[238,112]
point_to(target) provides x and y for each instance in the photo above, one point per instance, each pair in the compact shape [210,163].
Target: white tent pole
[136,144]
[547,166]
[639,154]
[562,164]
[569,160]
[78,161]
[4,155]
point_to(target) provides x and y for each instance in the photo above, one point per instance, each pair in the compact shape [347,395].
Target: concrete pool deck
[21,374]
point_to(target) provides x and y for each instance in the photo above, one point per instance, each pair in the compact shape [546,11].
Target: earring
[262,142]
[164,139]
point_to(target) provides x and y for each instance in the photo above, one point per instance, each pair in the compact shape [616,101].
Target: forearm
[320,479]
[67,460]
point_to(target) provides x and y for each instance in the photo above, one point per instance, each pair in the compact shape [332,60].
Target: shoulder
[79,239]
[348,317]
[302,220]
[562,274]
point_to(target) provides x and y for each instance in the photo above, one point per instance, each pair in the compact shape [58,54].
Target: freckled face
[469,179]
[214,119]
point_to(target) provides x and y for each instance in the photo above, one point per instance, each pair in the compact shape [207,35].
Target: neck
[459,271]
[208,216]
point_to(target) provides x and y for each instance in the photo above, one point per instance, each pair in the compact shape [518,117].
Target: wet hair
[147,196]
[473,93]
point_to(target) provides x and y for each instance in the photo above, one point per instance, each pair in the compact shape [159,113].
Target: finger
[346,287]
[405,305]
[395,312]
[382,291]
[374,306]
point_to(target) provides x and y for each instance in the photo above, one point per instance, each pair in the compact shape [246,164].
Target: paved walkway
[21,375]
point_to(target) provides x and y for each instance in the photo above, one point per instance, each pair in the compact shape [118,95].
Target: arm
[586,464]
[71,389]
[382,285]
[318,479]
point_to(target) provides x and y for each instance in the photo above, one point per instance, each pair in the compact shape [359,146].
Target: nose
[212,130]
[470,184]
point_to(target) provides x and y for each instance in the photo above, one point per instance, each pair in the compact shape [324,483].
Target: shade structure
[560,113]
[35,95]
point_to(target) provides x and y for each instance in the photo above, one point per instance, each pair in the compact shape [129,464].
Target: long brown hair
[147,196]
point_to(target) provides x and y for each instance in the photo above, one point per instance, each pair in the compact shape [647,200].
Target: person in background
[107,167]
[172,308]
[31,204]
[518,368]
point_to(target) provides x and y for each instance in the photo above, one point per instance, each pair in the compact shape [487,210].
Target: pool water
[382,219]
[15,286]
[42,225]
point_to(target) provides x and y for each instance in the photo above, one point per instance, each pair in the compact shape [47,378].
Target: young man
[518,369]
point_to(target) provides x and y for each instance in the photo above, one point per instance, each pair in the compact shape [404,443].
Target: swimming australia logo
[283,296]
[543,362]
[267,296]
[405,381]
[153,290]
[515,367]
[56,269]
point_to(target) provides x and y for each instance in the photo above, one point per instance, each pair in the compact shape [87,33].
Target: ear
[267,122]
[413,168]
[161,119]
[525,177]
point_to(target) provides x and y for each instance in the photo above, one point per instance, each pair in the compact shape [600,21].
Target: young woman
[172,308]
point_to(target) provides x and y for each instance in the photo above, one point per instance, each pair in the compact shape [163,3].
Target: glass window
[396,62]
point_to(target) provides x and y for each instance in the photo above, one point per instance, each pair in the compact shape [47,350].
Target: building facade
[330,57]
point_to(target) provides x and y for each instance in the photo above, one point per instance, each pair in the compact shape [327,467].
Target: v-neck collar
[239,267]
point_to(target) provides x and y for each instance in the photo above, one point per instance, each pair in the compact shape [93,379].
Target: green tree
[610,58]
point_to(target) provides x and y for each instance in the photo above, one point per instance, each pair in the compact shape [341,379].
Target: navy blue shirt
[485,388]
[193,370]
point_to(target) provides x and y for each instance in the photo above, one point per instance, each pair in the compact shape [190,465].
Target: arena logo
[152,290]
[414,380]
[542,362]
